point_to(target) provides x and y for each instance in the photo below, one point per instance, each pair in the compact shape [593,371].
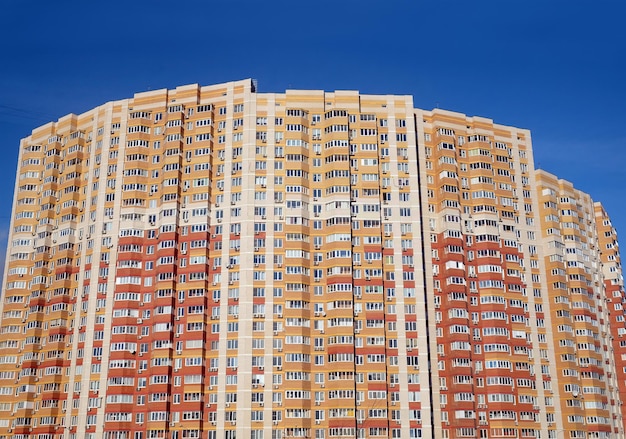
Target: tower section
[346,251]
[585,387]
[490,366]
[608,246]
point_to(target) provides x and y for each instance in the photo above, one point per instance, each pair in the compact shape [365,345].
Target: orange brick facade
[213,262]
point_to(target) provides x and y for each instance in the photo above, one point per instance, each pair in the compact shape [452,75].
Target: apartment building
[579,307]
[608,247]
[213,262]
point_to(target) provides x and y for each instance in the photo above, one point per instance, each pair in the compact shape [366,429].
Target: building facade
[580,310]
[213,262]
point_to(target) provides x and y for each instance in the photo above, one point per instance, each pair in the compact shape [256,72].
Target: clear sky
[556,67]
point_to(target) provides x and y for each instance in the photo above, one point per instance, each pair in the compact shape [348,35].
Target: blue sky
[555,67]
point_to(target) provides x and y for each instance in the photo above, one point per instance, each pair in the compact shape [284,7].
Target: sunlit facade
[580,314]
[213,262]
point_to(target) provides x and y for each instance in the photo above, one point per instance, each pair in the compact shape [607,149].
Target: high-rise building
[585,387]
[614,298]
[213,262]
